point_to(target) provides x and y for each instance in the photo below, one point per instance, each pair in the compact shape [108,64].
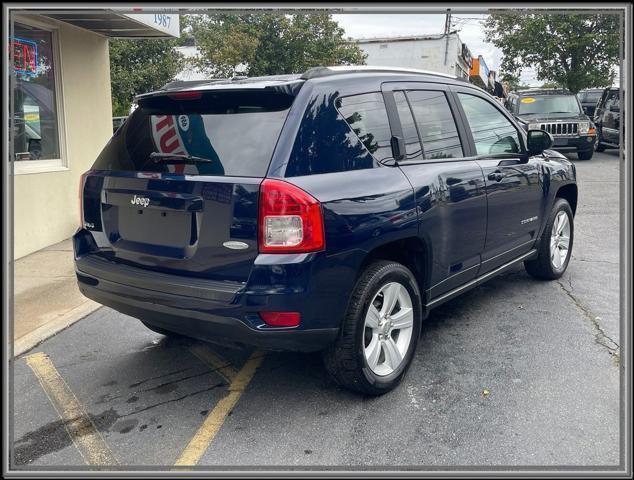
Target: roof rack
[318,72]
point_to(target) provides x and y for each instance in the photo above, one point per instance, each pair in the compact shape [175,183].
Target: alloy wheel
[560,240]
[388,328]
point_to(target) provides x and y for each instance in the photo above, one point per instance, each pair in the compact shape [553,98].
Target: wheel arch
[569,193]
[412,252]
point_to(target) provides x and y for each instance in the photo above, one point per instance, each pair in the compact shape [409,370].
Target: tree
[511,78]
[139,66]
[269,43]
[574,50]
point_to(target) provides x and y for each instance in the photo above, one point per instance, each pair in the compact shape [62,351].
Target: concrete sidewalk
[46,297]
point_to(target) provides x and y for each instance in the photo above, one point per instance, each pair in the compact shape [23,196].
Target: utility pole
[447,30]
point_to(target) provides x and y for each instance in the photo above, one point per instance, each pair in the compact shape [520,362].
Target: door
[449,188]
[611,114]
[515,191]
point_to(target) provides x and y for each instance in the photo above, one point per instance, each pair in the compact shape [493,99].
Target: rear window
[227,133]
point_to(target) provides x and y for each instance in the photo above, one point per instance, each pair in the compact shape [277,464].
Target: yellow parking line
[77,423]
[213,360]
[214,420]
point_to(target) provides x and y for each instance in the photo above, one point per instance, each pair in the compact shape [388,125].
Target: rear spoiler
[236,84]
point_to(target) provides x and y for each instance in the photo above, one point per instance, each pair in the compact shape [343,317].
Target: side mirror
[538,140]
[398,147]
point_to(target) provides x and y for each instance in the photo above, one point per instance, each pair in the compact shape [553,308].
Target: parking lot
[517,372]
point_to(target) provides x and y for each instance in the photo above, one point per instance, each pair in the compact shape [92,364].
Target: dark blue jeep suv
[325,211]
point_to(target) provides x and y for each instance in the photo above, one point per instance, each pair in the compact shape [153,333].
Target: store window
[35,119]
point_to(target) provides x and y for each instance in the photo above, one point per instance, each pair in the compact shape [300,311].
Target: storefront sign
[24,56]
[165,22]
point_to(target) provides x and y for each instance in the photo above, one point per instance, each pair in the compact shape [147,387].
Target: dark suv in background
[607,118]
[588,99]
[558,112]
[325,211]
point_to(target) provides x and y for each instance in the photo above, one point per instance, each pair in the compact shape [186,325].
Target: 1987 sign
[162,19]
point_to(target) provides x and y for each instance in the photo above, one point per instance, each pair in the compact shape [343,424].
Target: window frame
[61,164]
[388,89]
[455,90]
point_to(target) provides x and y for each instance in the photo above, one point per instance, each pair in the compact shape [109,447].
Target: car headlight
[584,127]
[534,126]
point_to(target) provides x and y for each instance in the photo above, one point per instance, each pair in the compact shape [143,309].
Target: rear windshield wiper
[178,157]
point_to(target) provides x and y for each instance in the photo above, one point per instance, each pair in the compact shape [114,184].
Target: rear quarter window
[341,134]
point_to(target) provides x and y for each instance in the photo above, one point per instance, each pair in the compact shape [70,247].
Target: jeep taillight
[290,220]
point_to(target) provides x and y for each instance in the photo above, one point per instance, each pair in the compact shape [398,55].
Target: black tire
[542,267]
[160,330]
[587,155]
[345,360]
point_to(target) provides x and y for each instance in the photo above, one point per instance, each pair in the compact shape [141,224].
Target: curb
[44,332]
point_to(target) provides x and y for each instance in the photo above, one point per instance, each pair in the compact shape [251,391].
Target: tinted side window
[367,117]
[492,131]
[436,124]
[324,142]
[410,135]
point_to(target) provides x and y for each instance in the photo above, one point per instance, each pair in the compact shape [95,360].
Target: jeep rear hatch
[176,188]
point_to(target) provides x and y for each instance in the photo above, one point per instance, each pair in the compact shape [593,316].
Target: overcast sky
[469,29]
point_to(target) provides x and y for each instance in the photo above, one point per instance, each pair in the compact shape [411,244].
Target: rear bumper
[224,311]
[204,326]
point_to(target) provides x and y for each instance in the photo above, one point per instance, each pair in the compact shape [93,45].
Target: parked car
[325,211]
[607,118]
[588,99]
[558,112]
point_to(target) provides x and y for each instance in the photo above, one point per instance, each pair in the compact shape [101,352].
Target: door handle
[496,176]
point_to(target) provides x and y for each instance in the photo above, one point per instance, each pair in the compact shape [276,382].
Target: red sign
[24,56]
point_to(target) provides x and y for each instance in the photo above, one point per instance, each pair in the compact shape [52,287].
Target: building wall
[46,209]
[427,54]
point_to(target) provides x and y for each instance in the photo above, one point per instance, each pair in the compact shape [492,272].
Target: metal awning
[116,24]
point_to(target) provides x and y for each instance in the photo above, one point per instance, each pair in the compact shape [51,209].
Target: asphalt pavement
[517,372]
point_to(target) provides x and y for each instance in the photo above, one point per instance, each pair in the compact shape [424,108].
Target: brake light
[187,95]
[281,319]
[82,182]
[592,131]
[290,220]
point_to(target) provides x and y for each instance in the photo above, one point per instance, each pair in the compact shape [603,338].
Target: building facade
[439,53]
[61,112]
